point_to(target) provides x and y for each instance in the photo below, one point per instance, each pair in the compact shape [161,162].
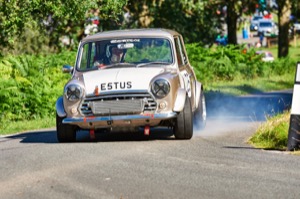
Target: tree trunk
[231,23]
[144,18]
[284,12]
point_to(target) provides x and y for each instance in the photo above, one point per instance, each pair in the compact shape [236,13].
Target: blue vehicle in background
[222,40]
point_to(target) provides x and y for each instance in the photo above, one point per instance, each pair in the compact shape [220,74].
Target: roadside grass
[8,128]
[242,86]
[273,134]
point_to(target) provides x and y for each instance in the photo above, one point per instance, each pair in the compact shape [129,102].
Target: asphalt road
[215,163]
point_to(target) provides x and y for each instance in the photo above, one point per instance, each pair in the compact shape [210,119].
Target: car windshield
[265,24]
[256,18]
[129,52]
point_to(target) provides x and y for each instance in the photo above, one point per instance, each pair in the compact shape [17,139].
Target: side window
[185,60]
[180,58]
[178,53]
[88,54]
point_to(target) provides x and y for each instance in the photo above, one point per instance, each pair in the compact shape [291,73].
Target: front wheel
[65,132]
[183,128]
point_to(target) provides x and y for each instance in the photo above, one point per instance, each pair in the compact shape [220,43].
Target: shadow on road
[155,134]
[49,136]
[241,148]
[42,136]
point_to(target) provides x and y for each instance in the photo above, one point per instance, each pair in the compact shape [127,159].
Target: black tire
[183,128]
[200,114]
[65,132]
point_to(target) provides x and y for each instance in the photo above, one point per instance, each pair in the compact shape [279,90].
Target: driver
[116,55]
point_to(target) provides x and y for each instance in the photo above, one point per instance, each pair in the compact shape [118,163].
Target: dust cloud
[234,113]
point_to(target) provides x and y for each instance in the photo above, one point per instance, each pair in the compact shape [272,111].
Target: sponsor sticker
[187,82]
[124,40]
[115,85]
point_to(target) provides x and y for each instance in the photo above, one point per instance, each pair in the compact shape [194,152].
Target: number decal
[187,82]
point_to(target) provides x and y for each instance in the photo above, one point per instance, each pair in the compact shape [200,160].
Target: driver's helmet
[115,54]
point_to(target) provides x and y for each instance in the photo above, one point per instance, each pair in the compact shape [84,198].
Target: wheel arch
[180,100]
[60,110]
[199,89]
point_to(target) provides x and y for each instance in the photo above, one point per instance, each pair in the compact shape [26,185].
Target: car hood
[265,28]
[119,79]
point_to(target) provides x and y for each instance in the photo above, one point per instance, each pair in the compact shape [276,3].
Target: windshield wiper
[150,63]
[116,65]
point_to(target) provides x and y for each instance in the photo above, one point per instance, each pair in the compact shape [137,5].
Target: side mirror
[67,69]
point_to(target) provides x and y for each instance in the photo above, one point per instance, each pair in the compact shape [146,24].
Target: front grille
[118,104]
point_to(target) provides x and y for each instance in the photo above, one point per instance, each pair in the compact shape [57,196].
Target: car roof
[147,32]
[266,20]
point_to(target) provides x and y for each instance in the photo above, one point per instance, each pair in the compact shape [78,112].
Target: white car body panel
[139,77]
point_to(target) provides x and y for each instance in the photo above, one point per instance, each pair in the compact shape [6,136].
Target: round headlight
[73,92]
[160,88]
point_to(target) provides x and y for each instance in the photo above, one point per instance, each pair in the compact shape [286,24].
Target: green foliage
[26,125]
[195,20]
[283,65]
[31,41]
[231,62]
[53,18]
[30,85]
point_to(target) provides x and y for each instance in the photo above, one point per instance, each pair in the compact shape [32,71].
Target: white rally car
[128,80]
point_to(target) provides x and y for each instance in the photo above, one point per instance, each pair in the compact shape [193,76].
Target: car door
[185,69]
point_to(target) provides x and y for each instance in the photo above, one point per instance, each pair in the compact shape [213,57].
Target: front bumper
[95,122]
